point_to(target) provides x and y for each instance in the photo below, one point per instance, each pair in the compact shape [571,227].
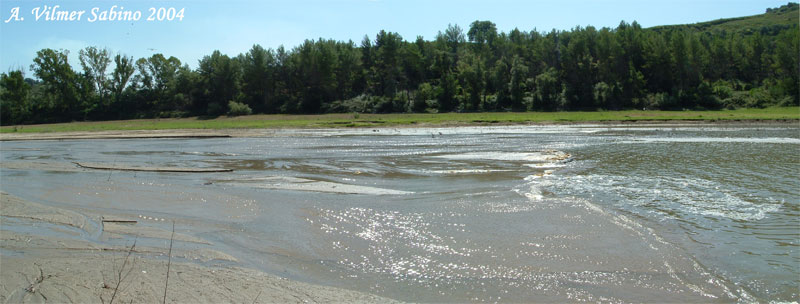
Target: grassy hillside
[768,23]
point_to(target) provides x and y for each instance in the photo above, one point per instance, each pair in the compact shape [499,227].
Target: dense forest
[728,63]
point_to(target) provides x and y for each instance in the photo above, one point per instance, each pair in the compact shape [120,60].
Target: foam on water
[770,140]
[571,129]
[546,165]
[461,171]
[682,195]
[546,156]
[521,129]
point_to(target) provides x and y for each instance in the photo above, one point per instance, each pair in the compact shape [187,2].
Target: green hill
[771,22]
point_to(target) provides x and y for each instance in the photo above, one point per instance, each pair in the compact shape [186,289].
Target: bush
[237,109]
[359,104]
[723,89]
[659,101]
[705,96]
[172,114]
[383,104]
[214,109]
[425,92]
[759,98]
[737,99]
[787,101]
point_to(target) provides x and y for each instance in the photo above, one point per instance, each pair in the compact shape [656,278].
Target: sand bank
[50,254]
[304,184]
[124,134]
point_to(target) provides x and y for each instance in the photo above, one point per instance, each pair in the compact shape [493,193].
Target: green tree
[657,67]
[470,74]
[258,67]
[579,68]
[519,75]
[787,65]
[387,62]
[482,34]
[13,98]
[120,78]
[61,85]
[447,90]
[156,77]
[220,78]
[500,78]
[454,38]
[548,93]
[94,62]
[412,67]
[348,75]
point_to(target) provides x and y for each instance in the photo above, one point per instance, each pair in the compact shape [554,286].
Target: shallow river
[641,213]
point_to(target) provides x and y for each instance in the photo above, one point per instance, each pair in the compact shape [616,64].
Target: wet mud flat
[58,255]
[508,214]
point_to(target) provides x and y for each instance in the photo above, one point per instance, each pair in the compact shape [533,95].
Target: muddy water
[548,214]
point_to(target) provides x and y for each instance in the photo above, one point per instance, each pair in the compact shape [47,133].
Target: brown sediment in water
[149,169]
[41,165]
[38,266]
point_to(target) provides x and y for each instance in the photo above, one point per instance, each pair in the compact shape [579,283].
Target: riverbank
[271,125]
[355,120]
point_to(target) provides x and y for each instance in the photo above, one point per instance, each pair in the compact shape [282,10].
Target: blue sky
[234,26]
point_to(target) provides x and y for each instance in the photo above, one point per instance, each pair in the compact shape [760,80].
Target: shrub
[659,101]
[360,104]
[214,109]
[737,99]
[705,97]
[383,104]
[237,109]
[722,89]
[433,106]
[172,114]
[425,92]
[759,98]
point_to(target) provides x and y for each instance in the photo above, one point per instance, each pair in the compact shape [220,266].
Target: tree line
[477,69]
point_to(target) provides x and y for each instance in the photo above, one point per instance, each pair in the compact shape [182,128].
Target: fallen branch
[118,220]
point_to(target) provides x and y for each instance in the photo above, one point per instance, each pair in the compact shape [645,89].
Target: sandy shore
[46,256]
[225,133]
[128,134]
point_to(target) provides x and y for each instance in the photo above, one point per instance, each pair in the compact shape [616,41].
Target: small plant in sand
[119,275]
[34,286]
[169,262]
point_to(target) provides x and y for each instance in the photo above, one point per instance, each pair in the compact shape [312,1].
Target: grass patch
[376,120]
